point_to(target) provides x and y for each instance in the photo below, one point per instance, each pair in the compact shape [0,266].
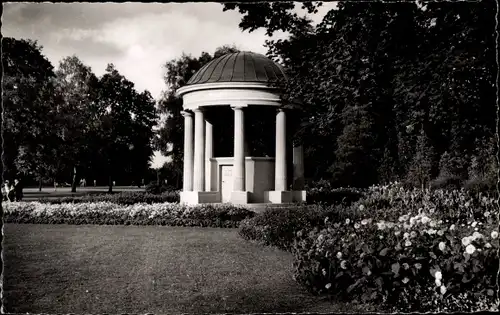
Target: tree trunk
[110,184]
[158,177]
[40,183]
[73,183]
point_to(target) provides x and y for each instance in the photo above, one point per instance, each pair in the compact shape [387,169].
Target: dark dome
[239,67]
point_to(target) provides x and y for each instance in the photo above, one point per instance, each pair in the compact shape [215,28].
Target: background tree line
[391,91]
[65,124]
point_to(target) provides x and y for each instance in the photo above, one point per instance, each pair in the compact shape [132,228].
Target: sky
[138,38]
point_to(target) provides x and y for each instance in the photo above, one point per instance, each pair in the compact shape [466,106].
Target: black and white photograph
[250,157]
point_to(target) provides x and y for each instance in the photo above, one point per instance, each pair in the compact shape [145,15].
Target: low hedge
[278,226]
[122,198]
[388,247]
[171,214]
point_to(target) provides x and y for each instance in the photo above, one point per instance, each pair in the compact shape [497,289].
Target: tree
[170,137]
[27,115]
[405,64]
[421,169]
[124,129]
[76,87]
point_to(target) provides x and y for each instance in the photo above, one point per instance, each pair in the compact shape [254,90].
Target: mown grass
[140,269]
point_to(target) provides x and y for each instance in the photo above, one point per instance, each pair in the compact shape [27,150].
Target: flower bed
[123,198]
[412,250]
[172,214]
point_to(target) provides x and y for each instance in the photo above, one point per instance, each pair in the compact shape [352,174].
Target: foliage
[322,192]
[125,120]
[58,124]
[277,226]
[386,247]
[28,115]
[373,75]
[155,188]
[75,88]
[170,135]
[103,212]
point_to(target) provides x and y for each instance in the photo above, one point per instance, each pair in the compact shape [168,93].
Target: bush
[278,226]
[391,253]
[481,185]
[156,189]
[122,198]
[390,245]
[171,214]
[321,192]
[446,182]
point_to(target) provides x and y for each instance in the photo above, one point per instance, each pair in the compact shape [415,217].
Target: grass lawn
[139,269]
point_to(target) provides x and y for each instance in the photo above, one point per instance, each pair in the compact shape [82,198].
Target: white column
[239,150]
[280,159]
[199,151]
[188,152]
[298,167]
[209,143]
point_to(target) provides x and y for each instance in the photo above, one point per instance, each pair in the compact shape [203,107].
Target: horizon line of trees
[65,124]
[392,91]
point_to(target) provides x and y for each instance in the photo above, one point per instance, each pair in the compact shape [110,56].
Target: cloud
[137,37]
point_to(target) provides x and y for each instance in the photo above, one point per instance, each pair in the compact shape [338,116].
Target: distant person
[114,183]
[9,191]
[84,182]
[18,190]
[5,191]
[95,182]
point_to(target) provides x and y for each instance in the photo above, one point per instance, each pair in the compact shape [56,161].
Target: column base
[197,197]
[240,197]
[276,196]
[299,195]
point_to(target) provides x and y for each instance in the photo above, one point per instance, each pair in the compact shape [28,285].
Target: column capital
[281,109]
[198,109]
[186,113]
[238,105]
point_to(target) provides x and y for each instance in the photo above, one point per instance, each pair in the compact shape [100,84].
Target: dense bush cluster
[172,214]
[322,192]
[412,250]
[122,198]
[155,188]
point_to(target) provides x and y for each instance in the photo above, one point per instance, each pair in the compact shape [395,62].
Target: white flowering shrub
[414,250]
[173,214]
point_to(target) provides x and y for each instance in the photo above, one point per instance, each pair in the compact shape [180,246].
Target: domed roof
[239,67]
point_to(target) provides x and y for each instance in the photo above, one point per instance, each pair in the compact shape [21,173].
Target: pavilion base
[240,197]
[299,195]
[275,196]
[197,197]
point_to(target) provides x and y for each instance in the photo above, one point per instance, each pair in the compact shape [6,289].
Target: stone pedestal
[197,197]
[240,197]
[274,196]
[299,195]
